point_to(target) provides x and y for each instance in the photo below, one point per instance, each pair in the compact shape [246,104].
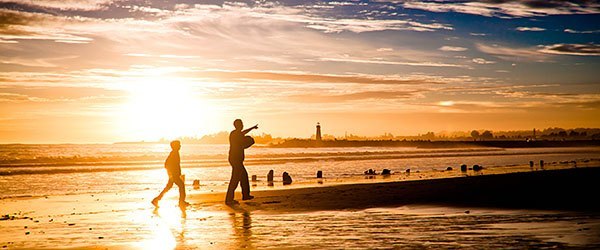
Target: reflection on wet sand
[242,228]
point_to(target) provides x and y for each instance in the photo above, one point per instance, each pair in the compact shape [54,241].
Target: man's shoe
[154,202]
[249,197]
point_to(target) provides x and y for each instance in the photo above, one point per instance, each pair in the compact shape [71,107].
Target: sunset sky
[118,70]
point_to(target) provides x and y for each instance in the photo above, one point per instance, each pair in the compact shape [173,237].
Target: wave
[259,159]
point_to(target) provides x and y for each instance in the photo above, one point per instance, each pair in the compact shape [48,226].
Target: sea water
[43,170]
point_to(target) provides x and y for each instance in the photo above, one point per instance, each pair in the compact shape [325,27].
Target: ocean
[60,169]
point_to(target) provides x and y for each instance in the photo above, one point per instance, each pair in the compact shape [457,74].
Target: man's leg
[245,183]
[233,183]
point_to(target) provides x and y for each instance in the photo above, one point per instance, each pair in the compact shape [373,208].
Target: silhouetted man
[172,164]
[237,143]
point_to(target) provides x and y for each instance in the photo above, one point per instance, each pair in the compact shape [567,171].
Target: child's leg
[167,187]
[181,186]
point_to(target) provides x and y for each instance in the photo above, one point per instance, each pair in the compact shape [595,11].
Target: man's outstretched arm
[244,132]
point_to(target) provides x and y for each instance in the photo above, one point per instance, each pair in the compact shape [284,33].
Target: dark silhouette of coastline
[306,143]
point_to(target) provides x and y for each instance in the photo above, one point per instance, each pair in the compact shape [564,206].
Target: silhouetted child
[172,164]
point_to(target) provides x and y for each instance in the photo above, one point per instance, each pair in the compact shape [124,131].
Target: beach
[493,208]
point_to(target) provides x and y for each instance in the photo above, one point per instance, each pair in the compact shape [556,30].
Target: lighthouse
[318,137]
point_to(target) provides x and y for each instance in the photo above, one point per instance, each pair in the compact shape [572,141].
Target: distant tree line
[475,135]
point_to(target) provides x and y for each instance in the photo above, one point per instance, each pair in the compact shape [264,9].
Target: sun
[165,107]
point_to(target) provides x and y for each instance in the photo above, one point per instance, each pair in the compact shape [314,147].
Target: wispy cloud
[581,31]
[236,76]
[452,48]
[482,61]
[374,61]
[513,54]
[529,29]
[509,8]
[572,49]
[85,5]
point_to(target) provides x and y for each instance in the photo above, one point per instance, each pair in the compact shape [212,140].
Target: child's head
[238,124]
[175,145]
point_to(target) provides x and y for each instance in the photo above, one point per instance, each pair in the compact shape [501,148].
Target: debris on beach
[287,179]
[477,167]
[270,176]
[463,168]
[319,174]
[408,170]
[449,169]
[370,172]
[386,171]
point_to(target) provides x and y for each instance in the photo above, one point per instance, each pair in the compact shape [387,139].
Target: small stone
[408,170]
[27,233]
[467,212]
[463,168]
[449,169]
[319,174]
[270,176]
[100,237]
[386,171]
[287,179]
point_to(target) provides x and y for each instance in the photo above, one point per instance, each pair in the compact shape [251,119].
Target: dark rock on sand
[386,171]
[287,179]
[319,174]
[449,169]
[270,176]
[463,168]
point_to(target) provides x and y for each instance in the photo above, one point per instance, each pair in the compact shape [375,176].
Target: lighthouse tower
[318,137]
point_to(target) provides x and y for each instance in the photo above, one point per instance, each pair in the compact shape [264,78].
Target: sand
[569,189]
[127,220]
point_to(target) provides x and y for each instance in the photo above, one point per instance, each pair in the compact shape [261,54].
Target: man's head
[175,145]
[238,124]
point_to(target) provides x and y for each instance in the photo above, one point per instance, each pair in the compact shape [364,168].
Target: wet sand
[561,189]
[533,209]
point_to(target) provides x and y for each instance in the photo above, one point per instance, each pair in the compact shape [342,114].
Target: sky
[127,70]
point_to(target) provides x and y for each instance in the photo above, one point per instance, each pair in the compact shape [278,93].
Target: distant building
[318,137]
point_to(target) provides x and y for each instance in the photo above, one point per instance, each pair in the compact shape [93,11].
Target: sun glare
[165,108]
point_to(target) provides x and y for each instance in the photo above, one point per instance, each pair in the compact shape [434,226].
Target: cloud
[85,5]
[482,61]
[375,61]
[529,29]
[509,8]
[452,48]
[303,77]
[581,32]
[572,49]
[355,96]
[513,54]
